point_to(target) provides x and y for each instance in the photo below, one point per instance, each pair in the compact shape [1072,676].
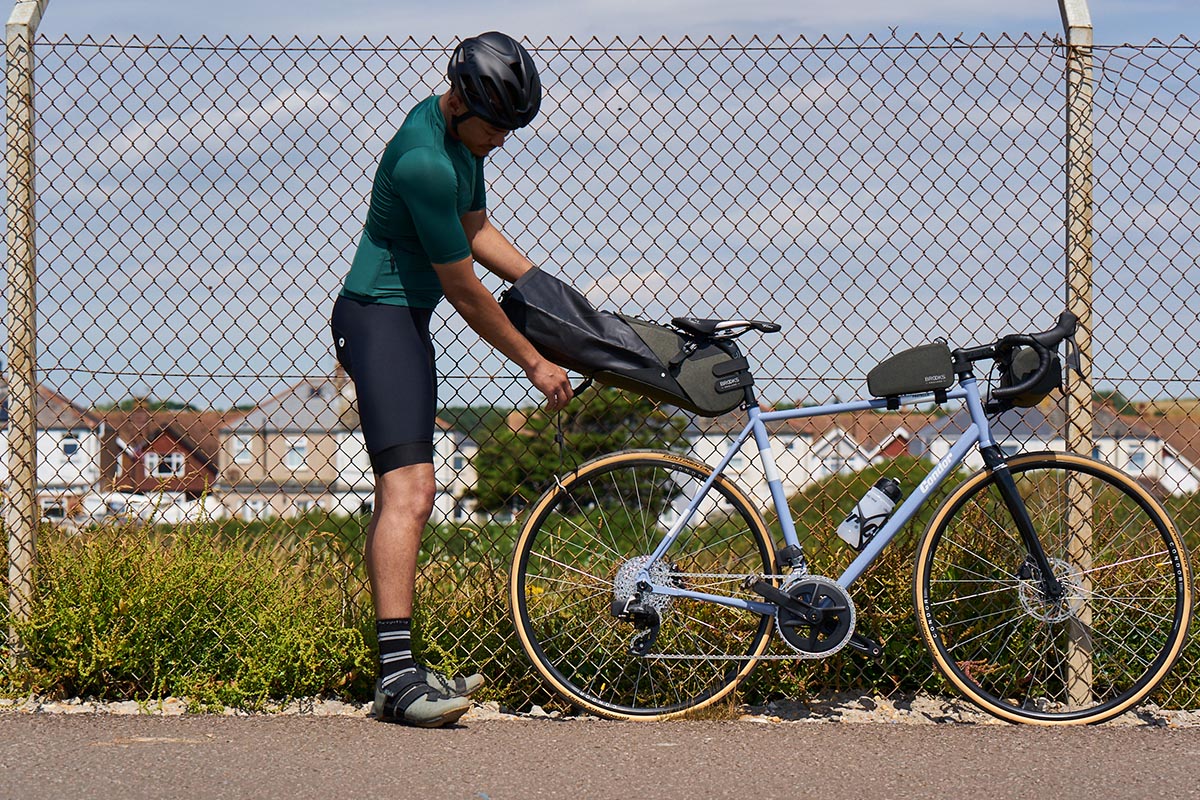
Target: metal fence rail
[199,202]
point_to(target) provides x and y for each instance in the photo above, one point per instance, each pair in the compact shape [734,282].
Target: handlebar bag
[652,360]
[1023,362]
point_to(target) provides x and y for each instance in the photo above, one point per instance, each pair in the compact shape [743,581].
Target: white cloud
[212,129]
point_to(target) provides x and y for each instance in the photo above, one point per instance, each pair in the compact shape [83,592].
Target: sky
[1114,21]
[179,185]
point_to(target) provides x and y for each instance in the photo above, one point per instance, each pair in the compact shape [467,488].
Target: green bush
[138,613]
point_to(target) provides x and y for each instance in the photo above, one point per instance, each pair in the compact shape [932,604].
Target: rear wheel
[582,547]
[1086,656]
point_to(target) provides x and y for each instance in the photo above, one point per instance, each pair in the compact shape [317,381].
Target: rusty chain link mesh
[199,202]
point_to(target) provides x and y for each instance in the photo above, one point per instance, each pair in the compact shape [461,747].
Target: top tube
[854,405]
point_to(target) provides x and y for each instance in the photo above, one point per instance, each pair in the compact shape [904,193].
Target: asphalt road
[194,757]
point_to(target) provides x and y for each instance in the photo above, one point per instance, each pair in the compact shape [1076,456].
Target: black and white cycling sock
[395,649]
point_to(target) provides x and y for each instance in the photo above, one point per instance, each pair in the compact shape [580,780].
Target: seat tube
[774,480]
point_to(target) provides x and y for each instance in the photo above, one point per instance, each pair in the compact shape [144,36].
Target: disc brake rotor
[1038,606]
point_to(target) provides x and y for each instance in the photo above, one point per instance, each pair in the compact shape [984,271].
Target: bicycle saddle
[722,327]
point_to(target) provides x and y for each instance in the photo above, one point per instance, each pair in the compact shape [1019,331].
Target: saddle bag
[652,360]
[926,368]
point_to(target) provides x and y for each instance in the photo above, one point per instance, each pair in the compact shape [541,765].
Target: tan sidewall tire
[951,504]
[535,517]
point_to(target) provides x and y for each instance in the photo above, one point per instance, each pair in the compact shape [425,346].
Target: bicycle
[1049,587]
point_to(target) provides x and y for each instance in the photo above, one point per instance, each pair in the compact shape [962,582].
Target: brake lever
[1073,359]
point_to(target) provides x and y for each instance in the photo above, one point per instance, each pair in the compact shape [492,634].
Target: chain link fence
[199,202]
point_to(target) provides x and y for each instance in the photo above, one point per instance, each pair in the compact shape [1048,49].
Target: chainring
[835,627]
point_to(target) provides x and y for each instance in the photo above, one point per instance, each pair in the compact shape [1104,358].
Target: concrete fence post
[1080,416]
[20,500]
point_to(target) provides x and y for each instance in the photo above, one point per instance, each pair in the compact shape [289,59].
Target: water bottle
[870,514]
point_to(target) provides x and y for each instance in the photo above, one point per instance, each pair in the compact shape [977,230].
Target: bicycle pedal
[864,645]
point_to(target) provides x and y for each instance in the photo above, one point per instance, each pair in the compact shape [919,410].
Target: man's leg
[407,691]
[403,503]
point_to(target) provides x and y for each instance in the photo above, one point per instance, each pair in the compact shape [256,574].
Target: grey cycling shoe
[452,686]
[411,701]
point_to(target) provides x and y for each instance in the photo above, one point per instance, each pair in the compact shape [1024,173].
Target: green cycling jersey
[425,183]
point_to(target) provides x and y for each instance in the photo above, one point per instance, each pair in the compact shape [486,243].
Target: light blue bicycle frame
[978,434]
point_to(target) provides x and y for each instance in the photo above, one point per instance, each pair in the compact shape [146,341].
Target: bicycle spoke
[610,516]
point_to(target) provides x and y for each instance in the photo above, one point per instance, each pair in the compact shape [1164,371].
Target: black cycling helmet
[496,77]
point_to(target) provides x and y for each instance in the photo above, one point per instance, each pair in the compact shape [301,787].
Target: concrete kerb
[918,709]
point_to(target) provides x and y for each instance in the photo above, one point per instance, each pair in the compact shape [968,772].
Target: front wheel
[583,545]
[1085,656]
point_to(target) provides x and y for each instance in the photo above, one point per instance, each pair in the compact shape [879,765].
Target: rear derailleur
[645,620]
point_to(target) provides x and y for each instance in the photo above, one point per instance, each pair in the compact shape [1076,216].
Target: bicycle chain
[728,575]
[682,657]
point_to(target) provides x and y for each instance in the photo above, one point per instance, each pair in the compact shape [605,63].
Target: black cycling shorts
[388,353]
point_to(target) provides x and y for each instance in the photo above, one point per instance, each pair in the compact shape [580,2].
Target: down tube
[909,507]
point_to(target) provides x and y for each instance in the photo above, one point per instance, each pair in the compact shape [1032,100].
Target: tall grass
[135,612]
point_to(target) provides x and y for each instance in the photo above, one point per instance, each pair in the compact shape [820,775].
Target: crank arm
[864,645]
[806,612]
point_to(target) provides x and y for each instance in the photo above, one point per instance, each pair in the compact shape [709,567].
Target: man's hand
[551,380]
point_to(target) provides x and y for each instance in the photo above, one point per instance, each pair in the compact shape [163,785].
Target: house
[281,458]
[1159,455]
[1169,455]
[73,447]
[167,452]
[353,491]
[302,450]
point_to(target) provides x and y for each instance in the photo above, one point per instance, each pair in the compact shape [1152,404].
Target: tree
[514,466]
[1111,397]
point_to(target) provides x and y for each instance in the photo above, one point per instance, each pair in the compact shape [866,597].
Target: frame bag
[653,360]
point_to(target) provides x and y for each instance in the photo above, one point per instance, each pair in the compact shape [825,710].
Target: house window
[297,452]
[254,509]
[305,506]
[243,449]
[459,462]
[70,446]
[1137,461]
[168,465]
[53,509]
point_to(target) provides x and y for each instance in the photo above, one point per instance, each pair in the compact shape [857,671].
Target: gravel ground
[919,709]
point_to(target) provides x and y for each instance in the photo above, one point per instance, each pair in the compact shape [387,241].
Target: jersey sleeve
[430,190]
[479,201]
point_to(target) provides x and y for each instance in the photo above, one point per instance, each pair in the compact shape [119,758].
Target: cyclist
[426,226]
